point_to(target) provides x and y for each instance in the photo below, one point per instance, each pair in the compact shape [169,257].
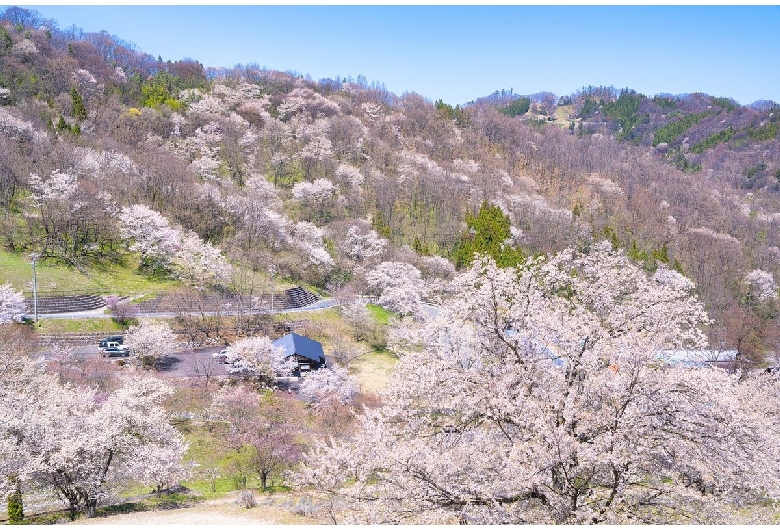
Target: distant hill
[693,132]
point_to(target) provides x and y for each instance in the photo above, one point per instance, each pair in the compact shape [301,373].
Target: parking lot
[183,363]
[177,363]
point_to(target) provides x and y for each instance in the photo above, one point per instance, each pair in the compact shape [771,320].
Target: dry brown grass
[373,370]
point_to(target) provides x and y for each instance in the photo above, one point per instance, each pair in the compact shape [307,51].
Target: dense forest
[202,175]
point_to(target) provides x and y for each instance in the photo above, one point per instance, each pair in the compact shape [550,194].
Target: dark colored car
[119,339]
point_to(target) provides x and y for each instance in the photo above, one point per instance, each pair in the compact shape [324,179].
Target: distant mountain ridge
[693,132]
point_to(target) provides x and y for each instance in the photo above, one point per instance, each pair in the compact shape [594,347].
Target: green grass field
[54,278]
[77,325]
[380,314]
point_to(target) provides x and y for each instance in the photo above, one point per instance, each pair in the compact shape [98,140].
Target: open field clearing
[373,370]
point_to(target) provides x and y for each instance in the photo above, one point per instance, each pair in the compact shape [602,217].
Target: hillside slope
[108,152]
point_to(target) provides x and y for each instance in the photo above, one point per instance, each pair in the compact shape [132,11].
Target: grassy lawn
[380,314]
[77,325]
[373,370]
[118,279]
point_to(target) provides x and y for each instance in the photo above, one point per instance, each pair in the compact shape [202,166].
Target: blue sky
[459,53]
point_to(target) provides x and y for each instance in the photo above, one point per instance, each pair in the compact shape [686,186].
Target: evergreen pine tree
[79,112]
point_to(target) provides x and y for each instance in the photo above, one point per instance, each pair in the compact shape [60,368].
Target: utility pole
[272,288]
[34,257]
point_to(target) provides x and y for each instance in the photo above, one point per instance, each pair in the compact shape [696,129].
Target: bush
[122,310]
[15,507]
[247,499]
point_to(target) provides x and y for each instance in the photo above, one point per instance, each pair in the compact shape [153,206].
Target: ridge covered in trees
[271,167]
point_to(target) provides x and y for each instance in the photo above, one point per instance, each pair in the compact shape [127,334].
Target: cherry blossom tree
[181,252]
[260,358]
[762,285]
[539,397]
[308,238]
[275,437]
[333,382]
[83,446]
[18,377]
[317,199]
[257,214]
[122,309]
[318,151]
[198,262]
[269,425]
[150,340]
[161,465]
[358,317]
[350,177]
[361,245]
[71,216]
[59,186]
[151,233]
[15,127]
[400,286]
[12,305]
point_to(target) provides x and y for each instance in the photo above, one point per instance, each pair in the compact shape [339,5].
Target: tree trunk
[89,508]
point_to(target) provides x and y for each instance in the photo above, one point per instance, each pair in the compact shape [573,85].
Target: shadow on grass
[166,501]
[125,507]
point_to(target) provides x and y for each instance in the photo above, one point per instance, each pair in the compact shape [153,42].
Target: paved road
[183,363]
[101,313]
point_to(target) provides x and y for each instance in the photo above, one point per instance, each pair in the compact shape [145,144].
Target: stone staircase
[300,297]
[68,340]
[65,304]
[290,299]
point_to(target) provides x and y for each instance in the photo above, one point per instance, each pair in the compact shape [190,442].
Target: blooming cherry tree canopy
[149,340]
[260,358]
[400,286]
[762,285]
[82,445]
[183,252]
[332,382]
[12,305]
[536,396]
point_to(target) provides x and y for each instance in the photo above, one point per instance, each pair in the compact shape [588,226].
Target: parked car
[220,356]
[116,351]
[118,339]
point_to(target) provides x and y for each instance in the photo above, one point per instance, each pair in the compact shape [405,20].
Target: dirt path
[223,511]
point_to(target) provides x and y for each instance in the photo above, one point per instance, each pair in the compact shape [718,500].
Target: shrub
[247,499]
[15,507]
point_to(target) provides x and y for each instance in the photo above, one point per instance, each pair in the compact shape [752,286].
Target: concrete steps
[290,299]
[65,304]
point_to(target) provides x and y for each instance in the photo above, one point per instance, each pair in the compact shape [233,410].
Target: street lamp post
[34,257]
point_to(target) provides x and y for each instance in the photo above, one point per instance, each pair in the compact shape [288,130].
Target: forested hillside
[110,153]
